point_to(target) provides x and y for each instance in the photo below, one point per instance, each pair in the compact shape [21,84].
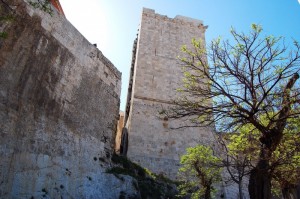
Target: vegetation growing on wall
[147,183]
[44,5]
[7,13]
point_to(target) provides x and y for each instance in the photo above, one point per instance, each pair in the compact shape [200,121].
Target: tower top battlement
[177,19]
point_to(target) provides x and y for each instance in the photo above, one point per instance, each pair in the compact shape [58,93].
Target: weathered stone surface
[59,106]
[156,74]
[119,133]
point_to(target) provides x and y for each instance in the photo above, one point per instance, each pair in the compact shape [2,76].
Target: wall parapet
[177,19]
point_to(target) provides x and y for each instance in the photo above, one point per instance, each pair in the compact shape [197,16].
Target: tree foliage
[244,146]
[237,153]
[200,169]
[241,82]
[285,161]
[235,84]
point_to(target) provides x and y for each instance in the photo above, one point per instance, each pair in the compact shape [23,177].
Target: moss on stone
[147,183]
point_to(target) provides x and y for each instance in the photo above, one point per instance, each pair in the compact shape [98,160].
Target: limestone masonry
[155,76]
[59,106]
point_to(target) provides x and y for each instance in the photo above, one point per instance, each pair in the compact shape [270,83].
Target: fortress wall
[158,73]
[59,106]
[153,142]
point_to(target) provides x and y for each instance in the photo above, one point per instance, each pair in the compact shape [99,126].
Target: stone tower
[155,76]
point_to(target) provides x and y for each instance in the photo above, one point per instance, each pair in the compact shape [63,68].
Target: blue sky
[113,24]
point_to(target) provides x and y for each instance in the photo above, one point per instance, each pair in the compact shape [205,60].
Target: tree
[199,171]
[232,84]
[285,161]
[237,154]
[243,147]
[238,151]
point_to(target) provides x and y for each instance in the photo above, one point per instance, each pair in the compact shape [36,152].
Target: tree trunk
[207,194]
[289,193]
[240,190]
[260,181]
[298,190]
[260,177]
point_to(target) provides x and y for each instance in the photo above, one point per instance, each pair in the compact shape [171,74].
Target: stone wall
[153,142]
[119,133]
[59,106]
